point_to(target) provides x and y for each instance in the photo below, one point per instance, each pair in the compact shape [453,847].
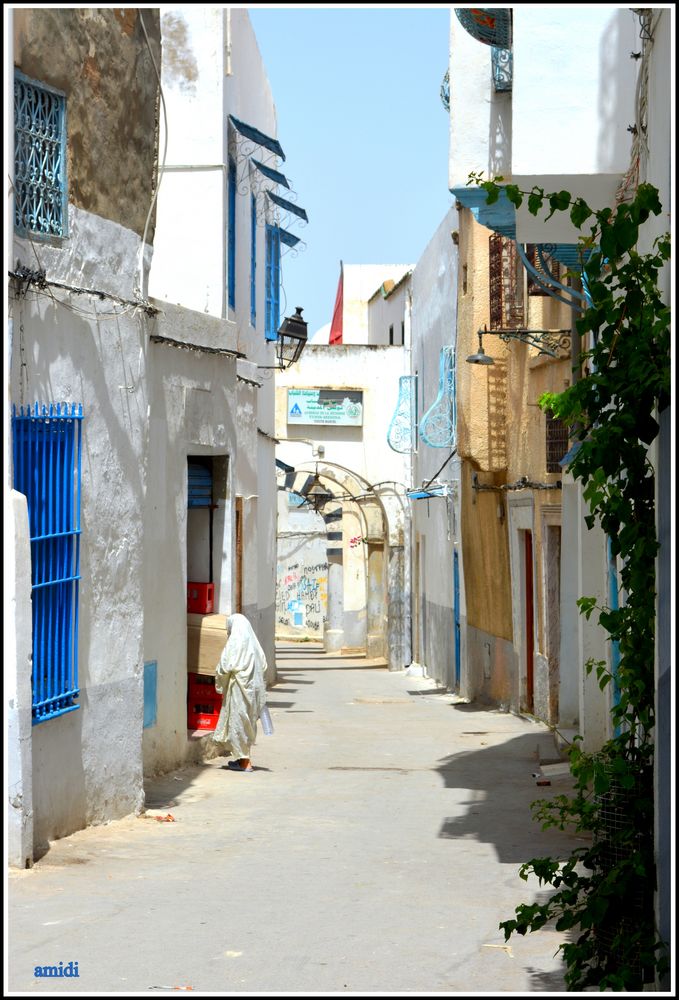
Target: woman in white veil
[241,680]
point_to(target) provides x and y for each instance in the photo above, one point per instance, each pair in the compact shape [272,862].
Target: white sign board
[338,407]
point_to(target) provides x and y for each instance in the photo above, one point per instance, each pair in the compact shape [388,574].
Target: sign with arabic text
[337,407]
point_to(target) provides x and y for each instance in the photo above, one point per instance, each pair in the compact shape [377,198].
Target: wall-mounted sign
[339,407]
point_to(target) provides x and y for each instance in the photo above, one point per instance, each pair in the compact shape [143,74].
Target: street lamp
[554,343]
[292,337]
[317,495]
[480,358]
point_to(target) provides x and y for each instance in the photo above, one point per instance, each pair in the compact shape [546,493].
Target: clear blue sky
[365,137]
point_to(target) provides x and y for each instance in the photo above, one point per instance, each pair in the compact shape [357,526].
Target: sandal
[233,765]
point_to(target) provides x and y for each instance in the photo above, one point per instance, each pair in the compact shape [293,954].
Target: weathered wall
[434,325]
[87,764]
[18,629]
[481,389]
[100,59]
[192,411]
[302,583]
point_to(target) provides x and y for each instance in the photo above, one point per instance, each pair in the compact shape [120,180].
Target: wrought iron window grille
[46,452]
[502,68]
[556,442]
[402,433]
[40,193]
[445,91]
[506,308]
[438,427]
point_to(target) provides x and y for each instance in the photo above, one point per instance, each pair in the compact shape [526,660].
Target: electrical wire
[159,173]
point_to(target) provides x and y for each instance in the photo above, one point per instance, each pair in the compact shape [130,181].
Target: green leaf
[580,212]
[647,199]
[492,192]
[535,202]
[626,233]
[559,202]
[514,195]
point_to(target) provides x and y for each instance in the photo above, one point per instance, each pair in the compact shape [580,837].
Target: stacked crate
[204,702]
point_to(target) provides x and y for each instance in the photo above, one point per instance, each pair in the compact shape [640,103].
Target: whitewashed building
[140,441]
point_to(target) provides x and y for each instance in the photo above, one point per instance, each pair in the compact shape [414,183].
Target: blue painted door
[456,612]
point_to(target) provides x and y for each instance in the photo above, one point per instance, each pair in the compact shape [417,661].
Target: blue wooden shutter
[273,280]
[253,260]
[232,234]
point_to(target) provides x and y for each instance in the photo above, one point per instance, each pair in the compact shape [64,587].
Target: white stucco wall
[574,88]
[212,68]
[470,104]
[385,313]
[17,655]
[435,522]
[87,763]
[584,144]
[374,370]
[193,411]
[361,281]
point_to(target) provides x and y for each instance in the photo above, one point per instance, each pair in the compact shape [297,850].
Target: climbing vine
[604,892]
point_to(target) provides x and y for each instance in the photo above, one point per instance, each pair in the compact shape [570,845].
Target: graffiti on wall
[302,597]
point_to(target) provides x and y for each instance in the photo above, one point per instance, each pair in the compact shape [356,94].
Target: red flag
[336,325]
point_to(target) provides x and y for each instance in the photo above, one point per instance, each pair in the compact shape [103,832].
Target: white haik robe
[241,680]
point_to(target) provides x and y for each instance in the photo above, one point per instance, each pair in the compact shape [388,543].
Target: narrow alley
[375,848]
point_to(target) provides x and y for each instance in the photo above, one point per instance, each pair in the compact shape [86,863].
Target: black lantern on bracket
[292,337]
[317,495]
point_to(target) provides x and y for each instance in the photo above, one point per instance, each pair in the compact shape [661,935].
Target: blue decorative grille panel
[232,234]
[273,282]
[502,64]
[438,427]
[402,433]
[39,158]
[46,457]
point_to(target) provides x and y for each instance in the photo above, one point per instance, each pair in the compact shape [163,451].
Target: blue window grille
[40,204]
[402,433]
[253,259]
[47,461]
[438,428]
[232,234]
[501,61]
[273,282]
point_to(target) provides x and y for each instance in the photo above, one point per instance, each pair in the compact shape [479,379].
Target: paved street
[374,849]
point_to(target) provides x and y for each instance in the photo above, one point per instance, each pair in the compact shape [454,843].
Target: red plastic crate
[203,717]
[202,688]
[200,598]
[204,703]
